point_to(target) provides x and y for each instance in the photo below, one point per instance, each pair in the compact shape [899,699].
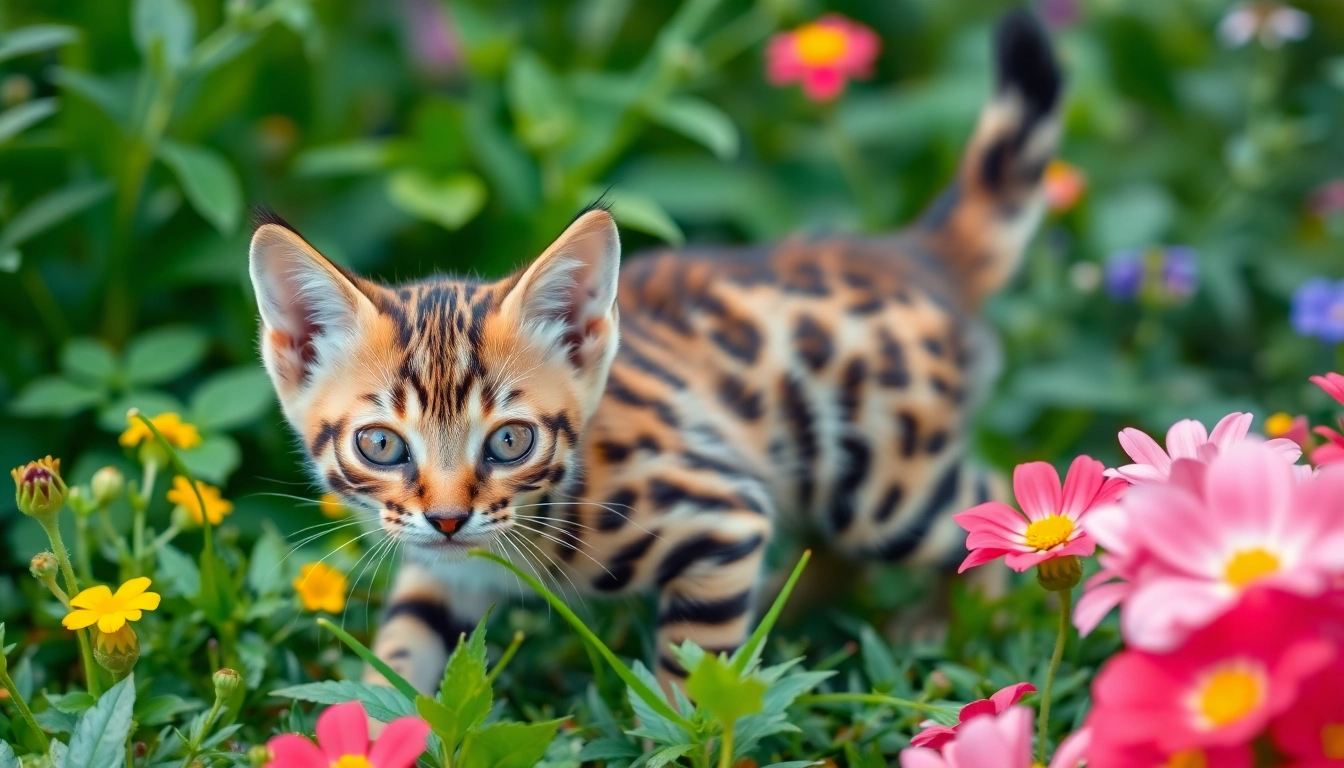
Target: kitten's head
[444,403]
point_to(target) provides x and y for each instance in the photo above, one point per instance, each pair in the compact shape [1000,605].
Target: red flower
[1313,730]
[822,55]
[937,736]
[343,742]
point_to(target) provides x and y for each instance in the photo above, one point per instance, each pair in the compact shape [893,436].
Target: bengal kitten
[821,383]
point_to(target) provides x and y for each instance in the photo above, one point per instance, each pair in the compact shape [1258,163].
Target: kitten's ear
[567,297]
[310,309]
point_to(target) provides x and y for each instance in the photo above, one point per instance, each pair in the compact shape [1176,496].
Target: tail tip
[1025,61]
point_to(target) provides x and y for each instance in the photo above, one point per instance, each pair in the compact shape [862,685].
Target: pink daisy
[343,742]
[1191,549]
[936,736]
[995,741]
[822,55]
[1048,526]
[1333,384]
[1313,730]
[1188,439]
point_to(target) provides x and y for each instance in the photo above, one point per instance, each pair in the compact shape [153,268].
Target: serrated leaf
[699,121]
[668,755]
[7,757]
[878,663]
[465,696]
[51,209]
[231,398]
[99,741]
[208,182]
[58,754]
[15,120]
[607,748]
[653,724]
[722,692]
[381,702]
[163,354]
[449,202]
[508,745]
[164,32]
[31,39]
[89,360]
[55,396]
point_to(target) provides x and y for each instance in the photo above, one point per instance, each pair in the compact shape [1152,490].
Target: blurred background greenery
[416,136]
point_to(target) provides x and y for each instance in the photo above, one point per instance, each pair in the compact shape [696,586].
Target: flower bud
[39,490]
[44,567]
[107,485]
[259,755]
[226,682]
[117,651]
[1060,574]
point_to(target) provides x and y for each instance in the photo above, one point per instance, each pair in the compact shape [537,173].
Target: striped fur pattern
[649,429]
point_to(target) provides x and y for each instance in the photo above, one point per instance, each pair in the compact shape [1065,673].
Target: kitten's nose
[447,522]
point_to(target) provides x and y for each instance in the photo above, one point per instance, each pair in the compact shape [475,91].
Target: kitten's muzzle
[448,523]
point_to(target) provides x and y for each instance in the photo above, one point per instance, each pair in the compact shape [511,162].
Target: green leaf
[639,212]
[58,754]
[7,757]
[699,121]
[396,680]
[151,402]
[113,98]
[10,260]
[51,209]
[610,748]
[264,573]
[796,764]
[163,354]
[382,703]
[355,158]
[540,106]
[99,741]
[15,120]
[31,39]
[178,573]
[508,745]
[449,202]
[878,663]
[89,360]
[749,653]
[164,32]
[208,181]
[465,696]
[231,398]
[163,709]
[214,459]
[668,755]
[55,396]
[722,692]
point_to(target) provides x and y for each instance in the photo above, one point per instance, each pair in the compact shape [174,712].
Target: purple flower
[1159,273]
[1180,272]
[1058,14]
[1124,275]
[433,45]
[1318,310]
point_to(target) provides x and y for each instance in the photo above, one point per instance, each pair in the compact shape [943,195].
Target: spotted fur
[682,409]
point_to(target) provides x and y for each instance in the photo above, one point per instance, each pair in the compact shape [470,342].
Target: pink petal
[1184,439]
[1072,750]
[1081,484]
[918,757]
[993,516]
[1141,473]
[1036,486]
[1006,697]
[1249,487]
[1177,529]
[1332,383]
[977,707]
[933,737]
[343,729]
[400,743]
[1232,428]
[1289,450]
[1144,450]
[980,557]
[1096,603]
[823,83]
[294,751]
[1162,612]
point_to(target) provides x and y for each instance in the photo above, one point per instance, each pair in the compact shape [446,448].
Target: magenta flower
[1190,550]
[343,742]
[1048,526]
[995,741]
[822,55]
[936,736]
[1333,384]
[1188,439]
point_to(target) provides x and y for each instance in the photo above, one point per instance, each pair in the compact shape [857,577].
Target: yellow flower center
[1049,533]
[1332,741]
[818,45]
[1229,695]
[1249,565]
[352,761]
[1278,424]
[1187,758]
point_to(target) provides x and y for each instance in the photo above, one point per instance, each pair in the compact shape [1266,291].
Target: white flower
[1274,23]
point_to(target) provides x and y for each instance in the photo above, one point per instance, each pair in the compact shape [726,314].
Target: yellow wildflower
[321,588]
[98,605]
[1278,425]
[331,506]
[215,506]
[177,432]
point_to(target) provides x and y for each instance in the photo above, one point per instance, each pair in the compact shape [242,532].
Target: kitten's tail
[982,222]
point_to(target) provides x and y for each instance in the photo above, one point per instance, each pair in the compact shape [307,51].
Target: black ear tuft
[1025,61]
[602,203]
[262,215]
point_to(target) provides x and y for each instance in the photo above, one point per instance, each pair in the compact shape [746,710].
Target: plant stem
[82,547]
[1065,611]
[22,706]
[53,528]
[138,527]
[506,658]
[866,698]
[726,748]
[194,746]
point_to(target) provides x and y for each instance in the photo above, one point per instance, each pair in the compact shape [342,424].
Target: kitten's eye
[509,443]
[381,446]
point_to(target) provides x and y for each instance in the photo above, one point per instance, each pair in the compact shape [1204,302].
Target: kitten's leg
[707,580]
[420,628]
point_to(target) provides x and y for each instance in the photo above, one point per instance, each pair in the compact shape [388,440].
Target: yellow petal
[92,597]
[79,619]
[132,614]
[145,602]
[111,622]
[133,587]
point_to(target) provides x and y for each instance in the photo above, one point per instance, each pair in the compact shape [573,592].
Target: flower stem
[726,747]
[22,706]
[53,529]
[505,658]
[1061,639]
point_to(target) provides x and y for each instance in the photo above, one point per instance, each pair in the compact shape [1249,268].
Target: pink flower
[1188,439]
[1332,451]
[822,55]
[1050,526]
[1147,756]
[995,741]
[1313,730]
[1327,199]
[343,742]
[1063,185]
[936,736]
[1220,689]
[1190,549]
[1333,384]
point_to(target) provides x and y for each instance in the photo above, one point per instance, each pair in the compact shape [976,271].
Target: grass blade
[752,648]
[396,680]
